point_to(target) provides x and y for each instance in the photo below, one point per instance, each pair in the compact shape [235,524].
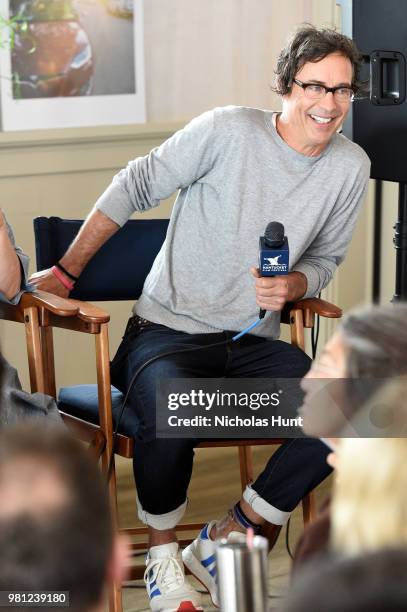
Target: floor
[214,488]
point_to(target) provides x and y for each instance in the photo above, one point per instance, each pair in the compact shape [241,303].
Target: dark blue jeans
[163,467]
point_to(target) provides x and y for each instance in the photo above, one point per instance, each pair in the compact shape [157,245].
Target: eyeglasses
[314,91]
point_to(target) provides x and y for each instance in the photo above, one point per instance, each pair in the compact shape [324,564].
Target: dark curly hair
[311,44]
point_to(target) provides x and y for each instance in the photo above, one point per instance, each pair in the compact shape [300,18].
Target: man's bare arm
[96,230]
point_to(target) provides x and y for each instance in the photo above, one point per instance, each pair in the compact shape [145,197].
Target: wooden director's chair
[87,409]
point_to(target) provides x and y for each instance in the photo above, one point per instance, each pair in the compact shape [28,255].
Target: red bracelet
[62,279]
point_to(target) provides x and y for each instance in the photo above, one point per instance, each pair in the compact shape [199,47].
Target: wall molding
[43,152]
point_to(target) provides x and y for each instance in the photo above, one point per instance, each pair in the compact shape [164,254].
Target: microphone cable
[287,540]
[315,334]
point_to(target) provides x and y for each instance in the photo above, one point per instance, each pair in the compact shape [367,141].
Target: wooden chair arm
[55,311]
[50,303]
[64,307]
[320,307]
[66,313]
[90,313]
[41,300]
[311,307]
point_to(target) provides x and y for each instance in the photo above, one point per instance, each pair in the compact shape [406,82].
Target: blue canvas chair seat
[81,401]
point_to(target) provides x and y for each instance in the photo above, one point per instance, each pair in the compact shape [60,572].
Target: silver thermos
[242,575]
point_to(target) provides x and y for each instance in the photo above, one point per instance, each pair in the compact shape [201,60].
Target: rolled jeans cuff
[169,520]
[264,509]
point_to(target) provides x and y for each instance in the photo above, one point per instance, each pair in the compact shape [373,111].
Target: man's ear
[118,568]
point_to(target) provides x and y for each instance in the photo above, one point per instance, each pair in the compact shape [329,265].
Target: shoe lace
[167,572]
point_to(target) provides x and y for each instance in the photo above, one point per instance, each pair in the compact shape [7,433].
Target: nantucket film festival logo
[275,265]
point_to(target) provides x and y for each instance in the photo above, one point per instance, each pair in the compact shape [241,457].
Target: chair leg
[115,598]
[97,445]
[246,465]
[115,590]
[47,348]
[297,339]
[104,392]
[34,349]
[106,424]
[297,329]
[309,510]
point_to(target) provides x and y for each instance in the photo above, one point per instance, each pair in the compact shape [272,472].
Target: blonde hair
[370,497]
[369,509]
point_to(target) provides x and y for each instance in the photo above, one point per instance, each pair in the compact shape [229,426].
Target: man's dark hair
[311,44]
[374,582]
[55,524]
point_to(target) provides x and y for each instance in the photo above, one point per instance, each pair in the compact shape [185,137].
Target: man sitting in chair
[236,169]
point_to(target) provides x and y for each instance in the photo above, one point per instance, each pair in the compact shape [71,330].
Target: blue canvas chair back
[119,268]
[116,272]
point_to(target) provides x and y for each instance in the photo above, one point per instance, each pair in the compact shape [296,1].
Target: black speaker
[378,123]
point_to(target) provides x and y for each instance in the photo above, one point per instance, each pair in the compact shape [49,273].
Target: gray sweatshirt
[235,175]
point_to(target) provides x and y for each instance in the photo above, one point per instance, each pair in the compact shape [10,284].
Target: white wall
[205,54]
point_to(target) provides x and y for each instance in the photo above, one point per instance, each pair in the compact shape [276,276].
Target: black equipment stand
[400,244]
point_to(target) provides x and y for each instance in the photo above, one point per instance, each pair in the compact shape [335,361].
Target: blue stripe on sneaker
[204,533]
[213,572]
[152,584]
[208,561]
[155,593]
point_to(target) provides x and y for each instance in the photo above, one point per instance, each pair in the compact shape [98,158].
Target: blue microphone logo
[273,261]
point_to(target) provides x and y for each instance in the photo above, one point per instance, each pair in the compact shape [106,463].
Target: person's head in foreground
[317,78]
[368,583]
[55,525]
[367,351]
[369,507]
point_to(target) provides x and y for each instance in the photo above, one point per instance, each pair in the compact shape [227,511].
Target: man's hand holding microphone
[274,285]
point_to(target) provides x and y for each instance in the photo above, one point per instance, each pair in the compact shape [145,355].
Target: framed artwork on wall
[72,63]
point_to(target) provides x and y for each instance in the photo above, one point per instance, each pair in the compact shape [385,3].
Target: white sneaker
[167,587]
[200,558]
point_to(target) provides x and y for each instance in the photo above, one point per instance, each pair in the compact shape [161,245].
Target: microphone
[273,253]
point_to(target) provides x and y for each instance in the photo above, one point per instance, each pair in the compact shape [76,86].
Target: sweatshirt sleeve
[24,262]
[180,161]
[328,250]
